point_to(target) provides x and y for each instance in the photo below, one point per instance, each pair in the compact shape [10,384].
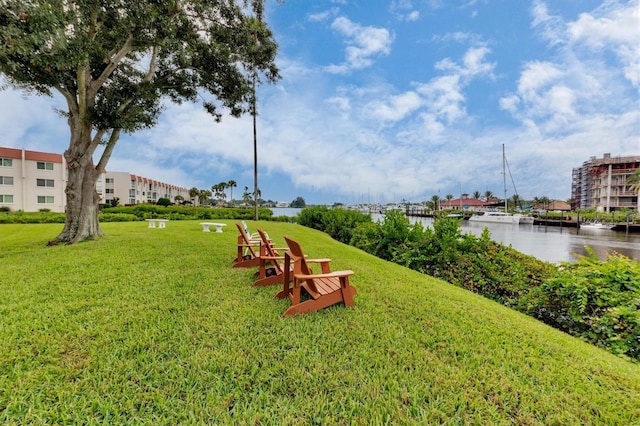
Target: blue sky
[382,101]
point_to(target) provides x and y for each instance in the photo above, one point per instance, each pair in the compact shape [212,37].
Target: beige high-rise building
[601,183]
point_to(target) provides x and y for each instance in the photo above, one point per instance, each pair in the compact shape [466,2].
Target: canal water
[552,244]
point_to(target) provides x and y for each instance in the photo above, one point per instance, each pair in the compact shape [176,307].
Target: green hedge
[149,211]
[153,211]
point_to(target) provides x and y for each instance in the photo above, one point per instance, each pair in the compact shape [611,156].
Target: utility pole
[255,152]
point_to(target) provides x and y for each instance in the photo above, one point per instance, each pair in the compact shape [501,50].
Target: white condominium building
[31,181]
[132,189]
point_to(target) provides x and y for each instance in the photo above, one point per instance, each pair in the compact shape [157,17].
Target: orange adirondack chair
[271,269]
[248,250]
[325,289]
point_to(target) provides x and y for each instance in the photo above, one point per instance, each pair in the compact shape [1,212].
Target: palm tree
[634,181]
[435,200]
[194,193]
[449,197]
[515,198]
[203,195]
[231,184]
[246,197]
[476,195]
[218,190]
[542,202]
[488,195]
[634,184]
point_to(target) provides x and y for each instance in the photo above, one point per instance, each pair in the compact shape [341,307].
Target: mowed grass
[153,326]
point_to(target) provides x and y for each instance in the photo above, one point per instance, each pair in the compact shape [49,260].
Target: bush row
[153,211]
[597,301]
[148,211]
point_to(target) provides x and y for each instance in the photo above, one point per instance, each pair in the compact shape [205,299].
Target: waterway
[552,244]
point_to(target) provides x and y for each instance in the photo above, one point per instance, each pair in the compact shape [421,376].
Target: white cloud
[444,95]
[323,16]
[551,27]
[414,15]
[616,29]
[363,44]
[537,76]
[397,107]
[580,81]
[474,63]
[510,103]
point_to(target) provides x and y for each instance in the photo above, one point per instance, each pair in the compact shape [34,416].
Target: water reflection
[555,244]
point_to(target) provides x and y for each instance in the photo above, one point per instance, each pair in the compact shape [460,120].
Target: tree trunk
[81,221]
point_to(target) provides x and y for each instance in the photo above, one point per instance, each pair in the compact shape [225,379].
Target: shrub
[598,301]
[118,217]
[338,223]
[313,217]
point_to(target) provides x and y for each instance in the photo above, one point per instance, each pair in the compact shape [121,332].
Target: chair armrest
[318,260]
[335,274]
[272,257]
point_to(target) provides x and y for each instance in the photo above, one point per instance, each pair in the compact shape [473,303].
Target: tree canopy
[115,62]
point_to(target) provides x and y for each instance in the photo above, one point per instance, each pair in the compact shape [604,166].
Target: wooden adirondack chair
[271,269]
[248,250]
[253,236]
[325,289]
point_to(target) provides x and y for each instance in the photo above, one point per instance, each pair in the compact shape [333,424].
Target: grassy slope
[154,326]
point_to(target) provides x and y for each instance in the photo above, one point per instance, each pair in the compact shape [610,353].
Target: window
[109,180]
[6,199]
[6,180]
[45,182]
[108,191]
[6,162]
[44,165]
[45,199]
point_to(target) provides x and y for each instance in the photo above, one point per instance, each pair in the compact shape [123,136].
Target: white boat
[524,219]
[495,217]
[596,224]
[503,217]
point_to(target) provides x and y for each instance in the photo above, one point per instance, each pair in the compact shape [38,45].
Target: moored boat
[494,217]
[596,224]
[524,219]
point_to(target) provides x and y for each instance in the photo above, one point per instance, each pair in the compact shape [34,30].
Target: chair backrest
[244,239]
[297,256]
[243,233]
[264,238]
[268,249]
[246,228]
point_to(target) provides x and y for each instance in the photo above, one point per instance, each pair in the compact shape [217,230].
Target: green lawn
[153,326]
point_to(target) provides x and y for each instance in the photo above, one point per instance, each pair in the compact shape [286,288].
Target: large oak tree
[116,61]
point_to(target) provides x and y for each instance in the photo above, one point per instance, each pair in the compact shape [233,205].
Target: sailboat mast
[504,180]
